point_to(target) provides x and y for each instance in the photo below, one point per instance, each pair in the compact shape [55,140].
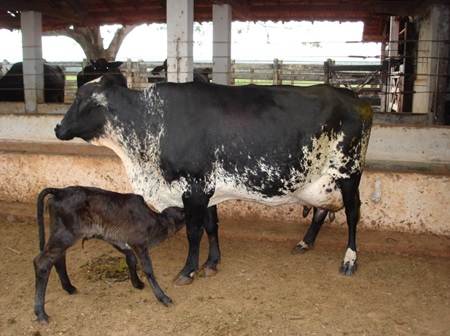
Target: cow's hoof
[207,272]
[301,248]
[182,280]
[347,268]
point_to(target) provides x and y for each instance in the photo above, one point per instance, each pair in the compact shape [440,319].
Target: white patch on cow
[350,257]
[100,99]
[313,187]
[143,168]
[96,80]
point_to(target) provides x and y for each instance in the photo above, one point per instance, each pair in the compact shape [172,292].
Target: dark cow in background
[123,220]
[12,89]
[194,145]
[99,68]
[200,74]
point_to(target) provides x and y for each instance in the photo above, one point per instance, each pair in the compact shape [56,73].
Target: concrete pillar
[394,27]
[432,63]
[33,64]
[222,44]
[180,21]
[439,63]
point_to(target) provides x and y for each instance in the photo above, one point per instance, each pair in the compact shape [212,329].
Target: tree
[91,41]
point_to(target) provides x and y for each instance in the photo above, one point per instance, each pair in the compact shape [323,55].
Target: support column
[180,21]
[432,64]
[33,64]
[222,15]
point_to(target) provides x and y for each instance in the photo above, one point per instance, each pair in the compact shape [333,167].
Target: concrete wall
[387,142]
[396,195]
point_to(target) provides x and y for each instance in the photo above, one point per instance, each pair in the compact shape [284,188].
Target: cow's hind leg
[310,237]
[209,268]
[352,204]
[195,203]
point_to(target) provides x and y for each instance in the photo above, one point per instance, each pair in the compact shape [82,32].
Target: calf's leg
[61,269]
[146,263]
[43,264]
[131,260]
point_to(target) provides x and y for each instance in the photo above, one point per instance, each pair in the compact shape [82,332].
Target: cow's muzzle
[60,134]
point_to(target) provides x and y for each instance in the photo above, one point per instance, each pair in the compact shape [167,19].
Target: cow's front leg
[209,268]
[196,210]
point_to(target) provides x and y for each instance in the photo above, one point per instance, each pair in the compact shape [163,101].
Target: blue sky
[260,41]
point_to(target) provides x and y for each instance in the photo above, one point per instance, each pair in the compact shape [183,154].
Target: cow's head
[103,66]
[86,117]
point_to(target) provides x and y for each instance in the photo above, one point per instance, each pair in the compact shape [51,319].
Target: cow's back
[260,143]
[203,122]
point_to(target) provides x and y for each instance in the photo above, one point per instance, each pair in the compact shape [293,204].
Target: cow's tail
[40,213]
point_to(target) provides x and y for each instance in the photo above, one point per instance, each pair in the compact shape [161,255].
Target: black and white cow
[12,89]
[99,68]
[194,145]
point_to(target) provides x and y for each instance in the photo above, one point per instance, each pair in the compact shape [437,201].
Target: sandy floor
[402,286]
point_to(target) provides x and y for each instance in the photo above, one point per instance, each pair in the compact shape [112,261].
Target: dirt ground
[402,286]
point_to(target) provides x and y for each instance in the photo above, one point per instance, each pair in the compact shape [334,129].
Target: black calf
[123,220]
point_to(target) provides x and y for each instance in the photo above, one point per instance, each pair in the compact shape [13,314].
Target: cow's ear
[107,81]
[115,64]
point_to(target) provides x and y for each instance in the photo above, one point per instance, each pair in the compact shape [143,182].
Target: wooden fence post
[275,79]
[232,71]
[129,73]
[326,71]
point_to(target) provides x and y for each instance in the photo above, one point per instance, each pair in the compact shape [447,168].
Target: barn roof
[65,13]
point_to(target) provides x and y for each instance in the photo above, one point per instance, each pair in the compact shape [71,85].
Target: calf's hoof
[182,280]
[72,290]
[166,301]
[42,318]
[138,285]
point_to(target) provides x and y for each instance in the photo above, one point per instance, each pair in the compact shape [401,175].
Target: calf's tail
[40,213]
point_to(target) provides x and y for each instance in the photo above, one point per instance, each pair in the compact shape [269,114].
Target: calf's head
[175,217]
[86,117]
